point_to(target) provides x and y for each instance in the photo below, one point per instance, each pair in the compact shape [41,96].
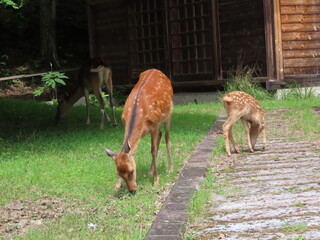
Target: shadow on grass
[21,119]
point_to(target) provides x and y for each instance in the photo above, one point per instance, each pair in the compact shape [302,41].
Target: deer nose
[133,192]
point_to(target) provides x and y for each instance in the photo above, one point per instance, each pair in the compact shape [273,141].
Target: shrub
[50,81]
[295,91]
[241,79]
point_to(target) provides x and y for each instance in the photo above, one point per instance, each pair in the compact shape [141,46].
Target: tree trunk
[48,32]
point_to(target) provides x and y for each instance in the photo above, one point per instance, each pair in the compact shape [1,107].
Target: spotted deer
[148,105]
[240,105]
[93,75]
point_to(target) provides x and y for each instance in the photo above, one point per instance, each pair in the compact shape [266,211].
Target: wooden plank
[309,53]
[301,70]
[299,2]
[301,62]
[301,27]
[300,18]
[300,9]
[301,36]
[292,45]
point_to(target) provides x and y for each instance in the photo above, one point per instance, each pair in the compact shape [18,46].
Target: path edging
[170,221]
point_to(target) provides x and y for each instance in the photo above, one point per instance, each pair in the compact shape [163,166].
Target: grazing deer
[240,105]
[94,75]
[148,105]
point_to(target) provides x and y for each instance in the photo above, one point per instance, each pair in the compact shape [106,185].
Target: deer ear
[126,147]
[109,152]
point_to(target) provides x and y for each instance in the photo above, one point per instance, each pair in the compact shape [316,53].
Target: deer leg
[118,184]
[264,141]
[235,146]
[247,129]
[110,92]
[153,164]
[102,107]
[86,96]
[227,127]
[168,144]
[113,108]
[155,140]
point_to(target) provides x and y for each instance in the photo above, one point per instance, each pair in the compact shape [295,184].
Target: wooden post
[278,40]
[269,36]
[216,41]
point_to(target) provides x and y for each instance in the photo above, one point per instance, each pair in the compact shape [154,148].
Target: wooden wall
[242,33]
[300,33]
[108,35]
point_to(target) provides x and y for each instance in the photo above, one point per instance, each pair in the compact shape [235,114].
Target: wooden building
[196,42]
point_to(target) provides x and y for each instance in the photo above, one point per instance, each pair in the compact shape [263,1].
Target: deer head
[126,167]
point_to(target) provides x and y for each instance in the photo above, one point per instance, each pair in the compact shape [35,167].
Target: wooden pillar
[216,41]
[278,40]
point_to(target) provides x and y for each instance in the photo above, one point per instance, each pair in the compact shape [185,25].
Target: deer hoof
[156,181]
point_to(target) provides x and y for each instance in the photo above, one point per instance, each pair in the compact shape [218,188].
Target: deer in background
[240,105]
[148,105]
[93,75]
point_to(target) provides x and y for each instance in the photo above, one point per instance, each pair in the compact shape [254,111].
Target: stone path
[274,194]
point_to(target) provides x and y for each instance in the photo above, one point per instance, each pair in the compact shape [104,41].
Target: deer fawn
[240,105]
[148,105]
[92,77]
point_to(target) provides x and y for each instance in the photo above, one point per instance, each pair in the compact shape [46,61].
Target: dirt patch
[18,217]
[21,92]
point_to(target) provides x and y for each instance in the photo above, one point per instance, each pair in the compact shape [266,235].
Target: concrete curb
[170,221]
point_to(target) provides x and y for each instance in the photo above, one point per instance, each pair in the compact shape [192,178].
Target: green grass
[38,159]
[298,227]
[202,196]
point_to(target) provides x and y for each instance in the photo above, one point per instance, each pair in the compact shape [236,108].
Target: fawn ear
[109,152]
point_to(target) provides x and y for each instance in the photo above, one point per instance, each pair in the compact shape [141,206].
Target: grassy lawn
[41,161]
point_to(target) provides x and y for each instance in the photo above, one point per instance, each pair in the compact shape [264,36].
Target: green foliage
[3,58]
[94,101]
[120,96]
[14,4]
[50,81]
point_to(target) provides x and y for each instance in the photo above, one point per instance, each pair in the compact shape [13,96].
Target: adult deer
[148,105]
[93,75]
[240,105]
